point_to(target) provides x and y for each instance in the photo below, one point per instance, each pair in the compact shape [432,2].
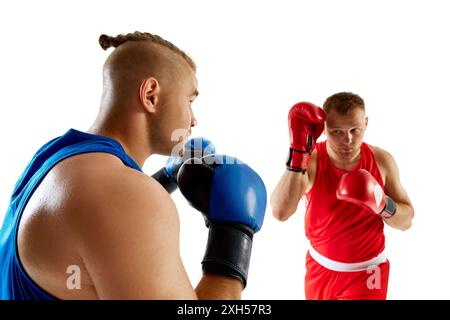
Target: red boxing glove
[361,188]
[306,122]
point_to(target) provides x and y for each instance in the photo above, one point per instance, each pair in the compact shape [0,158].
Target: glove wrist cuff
[228,251]
[297,160]
[390,209]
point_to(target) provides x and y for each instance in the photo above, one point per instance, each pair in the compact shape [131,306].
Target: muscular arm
[290,189]
[402,219]
[217,287]
[129,242]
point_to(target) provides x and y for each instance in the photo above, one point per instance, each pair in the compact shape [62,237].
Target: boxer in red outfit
[352,190]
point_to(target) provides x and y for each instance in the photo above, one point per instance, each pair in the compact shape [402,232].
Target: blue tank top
[15,283]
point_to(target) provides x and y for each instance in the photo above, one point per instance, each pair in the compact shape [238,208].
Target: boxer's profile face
[175,114]
[345,132]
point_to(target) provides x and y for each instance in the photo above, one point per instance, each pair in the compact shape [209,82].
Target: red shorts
[325,284]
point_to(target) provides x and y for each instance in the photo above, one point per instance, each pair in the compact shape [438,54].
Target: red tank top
[340,230]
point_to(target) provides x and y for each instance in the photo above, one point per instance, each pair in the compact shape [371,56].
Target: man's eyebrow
[196,93]
[339,127]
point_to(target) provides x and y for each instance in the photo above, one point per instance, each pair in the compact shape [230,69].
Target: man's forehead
[188,79]
[354,118]
[194,83]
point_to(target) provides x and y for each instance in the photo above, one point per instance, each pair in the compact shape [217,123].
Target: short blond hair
[343,102]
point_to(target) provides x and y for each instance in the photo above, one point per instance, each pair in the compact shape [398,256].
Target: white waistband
[342,266]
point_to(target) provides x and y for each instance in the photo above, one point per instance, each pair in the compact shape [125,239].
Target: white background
[255,59]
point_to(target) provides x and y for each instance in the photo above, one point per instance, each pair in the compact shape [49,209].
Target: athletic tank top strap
[369,163]
[15,284]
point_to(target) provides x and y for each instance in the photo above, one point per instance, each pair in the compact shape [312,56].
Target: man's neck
[343,163]
[131,142]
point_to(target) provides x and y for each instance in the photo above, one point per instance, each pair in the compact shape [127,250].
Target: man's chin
[347,154]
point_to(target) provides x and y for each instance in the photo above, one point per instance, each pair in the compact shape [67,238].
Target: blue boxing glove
[194,148]
[232,198]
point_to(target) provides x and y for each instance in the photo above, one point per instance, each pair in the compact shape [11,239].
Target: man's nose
[348,137]
[193,119]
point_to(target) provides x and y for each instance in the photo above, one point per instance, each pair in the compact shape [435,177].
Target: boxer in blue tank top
[15,283]
[85,222]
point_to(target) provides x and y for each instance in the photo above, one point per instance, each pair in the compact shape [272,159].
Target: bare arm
[290,189]
[217,287]
[130,245]
[402,219]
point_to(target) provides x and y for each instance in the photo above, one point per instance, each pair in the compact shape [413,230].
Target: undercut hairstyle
[108,41]
[343,102]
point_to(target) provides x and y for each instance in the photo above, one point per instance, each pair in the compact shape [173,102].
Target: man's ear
[149,94]
[367,121]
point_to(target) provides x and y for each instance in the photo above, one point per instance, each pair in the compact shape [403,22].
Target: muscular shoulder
[128,231]
[103,188]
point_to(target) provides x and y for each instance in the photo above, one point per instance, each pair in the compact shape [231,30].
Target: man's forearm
[287,194]
[217,287]
[402,219]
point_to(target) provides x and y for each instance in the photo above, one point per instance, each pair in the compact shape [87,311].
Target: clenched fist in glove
[306,122]
[361,188]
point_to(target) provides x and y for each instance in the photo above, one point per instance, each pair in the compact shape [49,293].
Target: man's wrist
[297,160]
[228,250]
[390,208]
